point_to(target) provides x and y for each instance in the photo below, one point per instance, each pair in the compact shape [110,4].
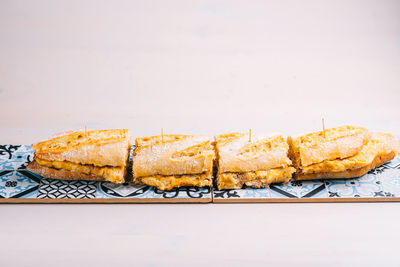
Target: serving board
[18,185]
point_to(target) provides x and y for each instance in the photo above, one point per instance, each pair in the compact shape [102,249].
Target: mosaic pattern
[17,182]
[292,189]
[299,189]
[52,188]
[365,186]
[13,157]
[245,193]
[110,190]
[389,177]
[383,181]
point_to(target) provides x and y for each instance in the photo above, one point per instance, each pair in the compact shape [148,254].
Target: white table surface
[198,67]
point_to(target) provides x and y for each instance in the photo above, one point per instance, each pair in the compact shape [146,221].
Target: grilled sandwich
[256,163]
[342,152]
[172,161]
[100,155]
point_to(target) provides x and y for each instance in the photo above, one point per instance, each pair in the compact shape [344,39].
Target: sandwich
[172,161]
[99,155]
[255,163]
[342,152]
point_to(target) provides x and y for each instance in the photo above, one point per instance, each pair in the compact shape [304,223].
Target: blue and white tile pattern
[17,182]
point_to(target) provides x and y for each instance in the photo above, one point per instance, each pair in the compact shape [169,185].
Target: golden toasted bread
[335,143]
[257,162]
[170,161]
[389,140]
[237,154]
[95,147]
[95,155]
[159,139]
[340,155]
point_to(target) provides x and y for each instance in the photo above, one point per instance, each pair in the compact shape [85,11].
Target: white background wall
[197,66]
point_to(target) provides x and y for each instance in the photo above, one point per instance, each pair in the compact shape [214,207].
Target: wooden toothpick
[323,126]
[250,135]
[86,131]
[162,135]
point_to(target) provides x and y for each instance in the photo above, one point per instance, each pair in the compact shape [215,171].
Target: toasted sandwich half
[172,161]
[342,152]
[256,163]
[100,155]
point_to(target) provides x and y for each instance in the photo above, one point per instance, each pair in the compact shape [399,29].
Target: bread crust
[257,162]
[96,147]
[160,139]
[352,173]
[47,172]
[237,154]
[176,155]
[335,143]
[389,140]
[377,150]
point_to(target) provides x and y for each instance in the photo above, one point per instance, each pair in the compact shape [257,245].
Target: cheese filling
[363,158]
[169,182]
[109,173]
[235,180]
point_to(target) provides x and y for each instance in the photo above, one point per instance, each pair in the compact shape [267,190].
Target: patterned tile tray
[378,185]
[17,185]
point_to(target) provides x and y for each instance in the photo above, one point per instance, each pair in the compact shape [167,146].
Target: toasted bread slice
[95,147]
[176,155]
[256,163]
[338,143]
[376,149]
[170,161]
[94,155]
[389,140]
[237,154]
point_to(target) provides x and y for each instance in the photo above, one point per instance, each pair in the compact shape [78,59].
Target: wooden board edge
[308,200]
[105,201]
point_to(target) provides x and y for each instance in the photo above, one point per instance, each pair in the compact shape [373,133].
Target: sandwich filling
[108,173]
[168,182]
[257,179]
[256,163]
